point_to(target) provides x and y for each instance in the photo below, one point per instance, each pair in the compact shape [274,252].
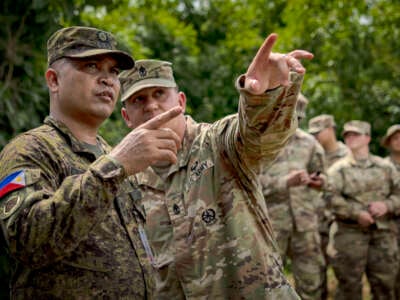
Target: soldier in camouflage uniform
[205,215]
[365,194]
[391,141]
[67,210]
[323,127]
[293,207]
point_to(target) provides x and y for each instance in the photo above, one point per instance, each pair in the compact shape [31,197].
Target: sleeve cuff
[354,215]
[390,206]
[272,93]
[107,168]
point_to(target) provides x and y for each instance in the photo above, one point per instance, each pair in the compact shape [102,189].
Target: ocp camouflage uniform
[73,229]
[293,211]
[326,218]
[374,249]
[324,211]
[206,216]
[397,220]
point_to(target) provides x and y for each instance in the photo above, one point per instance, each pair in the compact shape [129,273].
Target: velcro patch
[9,207]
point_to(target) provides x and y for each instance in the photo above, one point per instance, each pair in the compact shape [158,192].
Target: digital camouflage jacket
[71,228]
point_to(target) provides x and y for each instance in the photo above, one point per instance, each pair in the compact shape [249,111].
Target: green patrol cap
[81,42]
[390,131]
[320,122]
[360,127]
[301,105]
[146,73]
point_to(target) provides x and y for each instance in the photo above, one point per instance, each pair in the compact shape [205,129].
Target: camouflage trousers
[324,228]
[397,284]
[304,250]
[372,251]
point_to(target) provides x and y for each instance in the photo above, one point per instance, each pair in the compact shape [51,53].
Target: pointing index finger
[163,118]
[264,52]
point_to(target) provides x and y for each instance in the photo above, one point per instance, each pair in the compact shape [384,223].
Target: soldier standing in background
[391,141]
[67,209]
[323,128]
[206,218]
[364,193]
[291,190]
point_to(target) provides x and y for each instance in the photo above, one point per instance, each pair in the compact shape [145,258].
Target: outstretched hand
[269,70]
[148,144]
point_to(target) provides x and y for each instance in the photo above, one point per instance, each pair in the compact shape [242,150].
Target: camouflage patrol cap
[81,42]
[360,127]
[301,105]
[390,131]
[320,122]
[146,73]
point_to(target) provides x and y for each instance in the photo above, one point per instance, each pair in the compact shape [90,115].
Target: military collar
[361,163]
[76,145]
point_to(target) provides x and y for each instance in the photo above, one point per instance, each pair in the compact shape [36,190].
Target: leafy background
[354,75]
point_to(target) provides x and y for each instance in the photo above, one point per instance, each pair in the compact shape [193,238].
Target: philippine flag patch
[12,182]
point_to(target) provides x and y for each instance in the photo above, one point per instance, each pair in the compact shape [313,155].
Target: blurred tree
[355,73]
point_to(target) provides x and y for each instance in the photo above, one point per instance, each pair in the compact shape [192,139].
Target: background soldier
[391,141]
[206,217]
[365,193]
[66,208]
[292,206]
[323,128]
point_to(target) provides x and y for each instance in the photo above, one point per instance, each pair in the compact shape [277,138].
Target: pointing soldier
[67,209]
[206,218]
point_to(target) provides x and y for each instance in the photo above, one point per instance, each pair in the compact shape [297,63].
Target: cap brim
[386,138]
[146,83]
[384,141]
[124,60]
[352,129]
[314,130]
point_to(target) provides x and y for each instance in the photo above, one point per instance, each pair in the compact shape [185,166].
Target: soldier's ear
[52,79]
[182,100]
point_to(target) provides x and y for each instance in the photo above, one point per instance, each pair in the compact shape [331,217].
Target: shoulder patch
[13,181]
[9,207]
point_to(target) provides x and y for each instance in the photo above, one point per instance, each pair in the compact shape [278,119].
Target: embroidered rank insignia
[12,182]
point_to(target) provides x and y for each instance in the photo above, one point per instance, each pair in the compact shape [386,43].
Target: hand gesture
[377,208]
[365,219]
[269,70]
[316,181]
[296,178]
[148,144]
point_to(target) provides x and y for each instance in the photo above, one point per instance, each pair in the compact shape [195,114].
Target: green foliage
[354,74]
[356,46]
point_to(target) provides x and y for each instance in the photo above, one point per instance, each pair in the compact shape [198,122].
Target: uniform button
[176,209]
